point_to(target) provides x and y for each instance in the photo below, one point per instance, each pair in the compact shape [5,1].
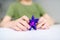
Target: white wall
[5,5]
[52,7]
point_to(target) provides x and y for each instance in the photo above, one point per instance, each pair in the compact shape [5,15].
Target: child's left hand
[42,23]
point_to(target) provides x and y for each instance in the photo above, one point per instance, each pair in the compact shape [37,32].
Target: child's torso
[21,10]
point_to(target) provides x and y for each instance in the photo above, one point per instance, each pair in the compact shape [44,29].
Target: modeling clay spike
[33,22]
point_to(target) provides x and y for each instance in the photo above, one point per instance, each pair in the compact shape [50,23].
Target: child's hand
[42,24]
[20,24]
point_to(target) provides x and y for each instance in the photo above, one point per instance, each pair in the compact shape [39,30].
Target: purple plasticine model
[33,22]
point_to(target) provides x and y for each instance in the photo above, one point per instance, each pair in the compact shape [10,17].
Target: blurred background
[52,7]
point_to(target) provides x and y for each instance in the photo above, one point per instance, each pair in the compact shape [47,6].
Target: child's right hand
[20,24]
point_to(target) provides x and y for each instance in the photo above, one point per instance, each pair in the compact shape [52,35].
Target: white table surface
[51,34]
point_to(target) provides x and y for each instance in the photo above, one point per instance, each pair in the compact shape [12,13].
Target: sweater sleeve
[10,11]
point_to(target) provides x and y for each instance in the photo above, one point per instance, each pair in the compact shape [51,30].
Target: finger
[21,27]
[41,20]
[41,24]
[25,18]
[45,26]
[15,28]
[24,23]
